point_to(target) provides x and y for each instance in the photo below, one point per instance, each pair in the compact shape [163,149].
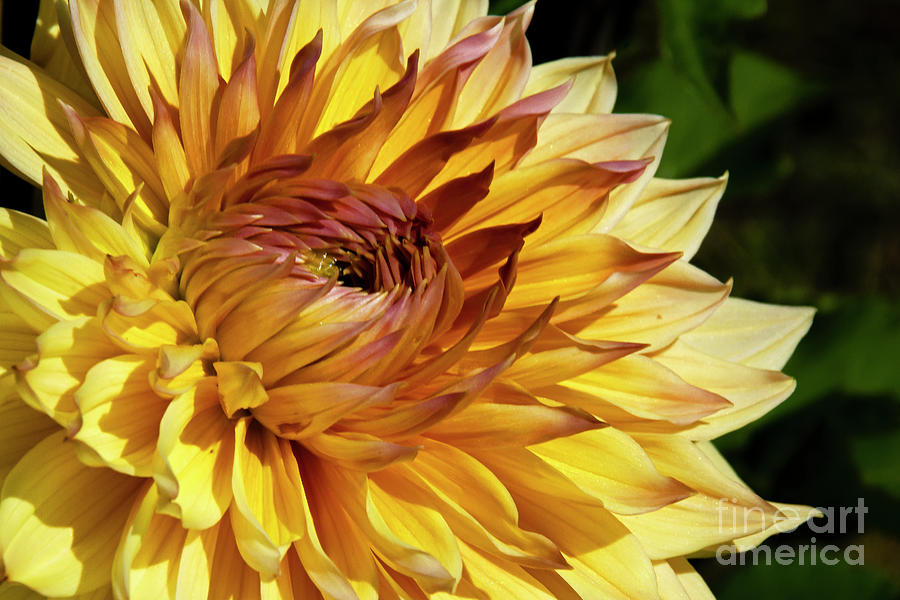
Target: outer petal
[19,230]
[672,214]
[594,87]
[93,25]
[35,131]
[753,334]
[54,51]
[448,18]
[19,340]
[59,520]
[351,490]
[146,35]
[753,392]
[679,581]
[660,309]
[607,559]
[53,285]
[609,465]
[641,387]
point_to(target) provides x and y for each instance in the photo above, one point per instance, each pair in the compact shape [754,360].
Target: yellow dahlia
[346,299]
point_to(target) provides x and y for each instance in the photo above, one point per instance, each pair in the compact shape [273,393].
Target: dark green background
[798,101]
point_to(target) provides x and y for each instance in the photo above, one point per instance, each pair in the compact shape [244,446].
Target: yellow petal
[575,266]
[339,560]
[66,351]
[306,409]
[229,22]
[196,450]
[19,339]
[211,567]
[493,579]
[420,527]
[609,465]
[317,562]
[753,392]
[53,49]
[293,583]
[500,77]
[641,387]
[89,231]
[60,285]
[789,517]
[120,414]
[14,591]
[358,450]
[20,230]
[672,214]
[605,556]
[21,427]
[595,138]
[147,51]
[369,57]
[137,330]
[695,523]
[608,138]
[690,580]
[266,515]
[751,333]
[570,194]
[239,106]
[60,520]
[448,18]
[537,370]
[686,461]
[474,502]
[93,25]
[594,84]
[662,308]
[171,161]
[678,580]
[35,133]
[125,164]
[352,490]
[147,558]
[239,386]
[288,30]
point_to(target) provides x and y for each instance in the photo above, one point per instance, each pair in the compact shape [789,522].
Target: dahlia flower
[346,299]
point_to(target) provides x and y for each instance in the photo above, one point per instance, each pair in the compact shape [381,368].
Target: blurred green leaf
[761,89]
[876,458]
[700,124]
[502,7]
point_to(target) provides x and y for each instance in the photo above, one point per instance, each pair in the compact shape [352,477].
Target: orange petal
[197,90]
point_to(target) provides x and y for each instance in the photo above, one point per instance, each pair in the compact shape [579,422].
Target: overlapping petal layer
[346,299]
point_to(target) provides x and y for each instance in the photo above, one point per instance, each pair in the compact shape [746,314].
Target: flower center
[370,238]
[303,278]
